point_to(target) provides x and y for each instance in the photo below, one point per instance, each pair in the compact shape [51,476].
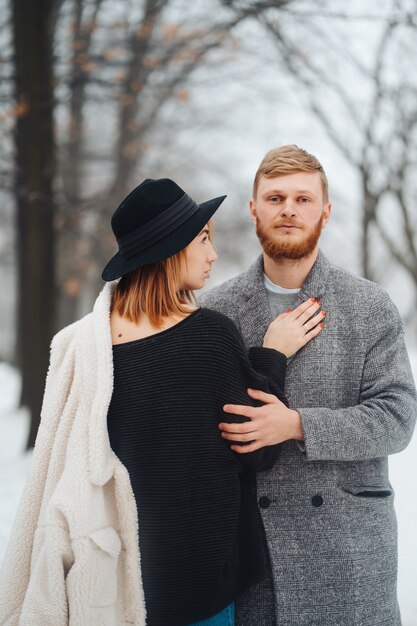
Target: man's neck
[289,273]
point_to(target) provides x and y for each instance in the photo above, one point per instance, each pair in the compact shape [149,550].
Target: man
[327,505]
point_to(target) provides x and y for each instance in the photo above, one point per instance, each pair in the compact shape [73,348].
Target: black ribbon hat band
[158,228]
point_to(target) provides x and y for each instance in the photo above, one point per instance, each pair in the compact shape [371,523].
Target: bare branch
[289,53]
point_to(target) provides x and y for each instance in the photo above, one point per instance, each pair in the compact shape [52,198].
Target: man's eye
[304,199]
[205,238]
[275,198]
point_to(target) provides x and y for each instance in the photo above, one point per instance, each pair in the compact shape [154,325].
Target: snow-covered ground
[14,465]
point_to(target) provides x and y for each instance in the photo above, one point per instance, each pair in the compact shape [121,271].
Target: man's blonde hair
[289,160]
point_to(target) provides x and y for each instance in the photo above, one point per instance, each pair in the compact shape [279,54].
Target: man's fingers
[246,427]
[262,396]
[245,449]
[234,437]
[237,409]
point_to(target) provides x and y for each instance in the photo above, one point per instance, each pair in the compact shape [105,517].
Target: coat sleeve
[45,602]
[260,368]
[383,421]
[16,574]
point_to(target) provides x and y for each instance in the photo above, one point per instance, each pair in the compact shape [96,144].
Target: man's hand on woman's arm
[269,424]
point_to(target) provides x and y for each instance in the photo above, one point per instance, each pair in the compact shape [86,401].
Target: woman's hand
[291,331]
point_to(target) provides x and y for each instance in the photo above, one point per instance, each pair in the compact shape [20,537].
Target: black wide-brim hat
[155,221]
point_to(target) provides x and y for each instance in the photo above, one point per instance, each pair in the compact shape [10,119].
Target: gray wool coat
[327,507]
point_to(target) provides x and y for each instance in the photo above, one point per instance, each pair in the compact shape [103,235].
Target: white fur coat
[73,557]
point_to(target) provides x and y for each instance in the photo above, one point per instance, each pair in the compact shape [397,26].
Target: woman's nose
[213,256]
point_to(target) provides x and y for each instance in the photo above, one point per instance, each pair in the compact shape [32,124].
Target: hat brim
[167,246]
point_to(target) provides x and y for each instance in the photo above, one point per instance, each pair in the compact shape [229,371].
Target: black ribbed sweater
[200,533]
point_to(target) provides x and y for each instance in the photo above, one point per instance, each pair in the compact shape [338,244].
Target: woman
[129,435]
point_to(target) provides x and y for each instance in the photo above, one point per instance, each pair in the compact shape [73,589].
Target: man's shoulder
[344,279]
[227,296]
[345,283]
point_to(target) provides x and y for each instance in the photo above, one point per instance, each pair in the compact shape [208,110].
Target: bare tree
[73,247]
[33,182]
[376,134]
[140,67]
[132,69]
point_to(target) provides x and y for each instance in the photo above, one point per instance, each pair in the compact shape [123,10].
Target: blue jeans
[224,618]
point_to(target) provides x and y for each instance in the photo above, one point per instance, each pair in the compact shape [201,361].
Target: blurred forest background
[96,95]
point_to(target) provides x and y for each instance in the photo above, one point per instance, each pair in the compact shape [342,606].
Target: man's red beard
[283,247]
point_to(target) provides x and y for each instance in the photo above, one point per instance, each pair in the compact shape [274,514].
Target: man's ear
[326,214]
[252,209]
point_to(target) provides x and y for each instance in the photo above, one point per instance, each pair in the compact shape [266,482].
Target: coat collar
[316,282]
[95,346]
[255,315]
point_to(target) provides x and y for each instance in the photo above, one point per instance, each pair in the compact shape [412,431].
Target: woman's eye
[205,239]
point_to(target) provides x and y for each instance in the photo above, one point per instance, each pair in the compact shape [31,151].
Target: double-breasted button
[317,500]
[264,502]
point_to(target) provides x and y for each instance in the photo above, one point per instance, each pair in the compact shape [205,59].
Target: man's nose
[288,208]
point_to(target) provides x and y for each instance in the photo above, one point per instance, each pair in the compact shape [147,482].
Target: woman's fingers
[313,332]
[287,332]
[317,319]
[312,322]
[281,315]
[303,307]
[301,319]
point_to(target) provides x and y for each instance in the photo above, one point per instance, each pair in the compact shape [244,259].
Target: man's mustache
[289,222]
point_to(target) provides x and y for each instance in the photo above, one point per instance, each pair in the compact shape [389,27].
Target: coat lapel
[95,346]
[316,281]
[255,315]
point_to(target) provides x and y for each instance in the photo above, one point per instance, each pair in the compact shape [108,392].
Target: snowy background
[336,78]
[14,464]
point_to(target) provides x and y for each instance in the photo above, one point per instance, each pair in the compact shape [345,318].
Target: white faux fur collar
[94,345]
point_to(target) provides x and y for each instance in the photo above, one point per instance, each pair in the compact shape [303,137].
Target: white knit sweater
[73,557]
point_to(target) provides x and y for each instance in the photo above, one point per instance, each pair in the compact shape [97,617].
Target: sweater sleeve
[260,368]
[273,365]
[383,421]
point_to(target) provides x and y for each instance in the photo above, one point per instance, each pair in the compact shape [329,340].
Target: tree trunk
[70,234]
[370,202]
[34,176]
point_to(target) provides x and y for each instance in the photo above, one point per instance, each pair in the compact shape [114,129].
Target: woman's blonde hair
[289,160]
[155,290]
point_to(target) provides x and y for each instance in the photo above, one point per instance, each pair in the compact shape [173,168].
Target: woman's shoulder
[225,327]
[219,319]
